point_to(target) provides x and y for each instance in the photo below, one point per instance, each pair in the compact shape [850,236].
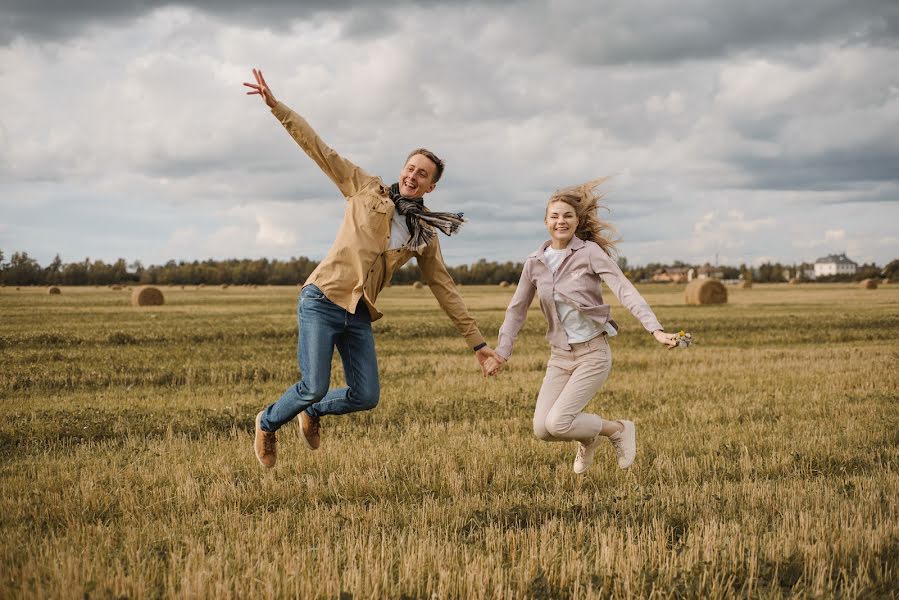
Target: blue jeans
[323,326]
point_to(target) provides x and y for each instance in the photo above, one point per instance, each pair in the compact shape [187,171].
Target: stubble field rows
[768,462]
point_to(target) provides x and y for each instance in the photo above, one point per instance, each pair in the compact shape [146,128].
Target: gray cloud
[701,113]
[60,19]
[657,31]
[839,169]
[621,33]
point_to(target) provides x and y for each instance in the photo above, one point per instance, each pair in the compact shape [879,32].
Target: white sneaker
[625,443]
[585,453]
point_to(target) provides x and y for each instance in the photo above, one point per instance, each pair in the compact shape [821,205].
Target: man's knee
[366,399]
[311,391]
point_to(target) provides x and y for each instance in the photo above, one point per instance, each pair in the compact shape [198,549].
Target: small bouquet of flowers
[683,340]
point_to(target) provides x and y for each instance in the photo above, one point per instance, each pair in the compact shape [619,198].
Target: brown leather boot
[265,445]
[311,430]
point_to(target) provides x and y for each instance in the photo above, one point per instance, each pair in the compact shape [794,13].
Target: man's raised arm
[348,177]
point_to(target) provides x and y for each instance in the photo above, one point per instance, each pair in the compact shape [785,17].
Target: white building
[834,264]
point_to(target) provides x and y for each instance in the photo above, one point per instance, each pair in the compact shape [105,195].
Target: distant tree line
[479,273]
[24,270]
[21,269]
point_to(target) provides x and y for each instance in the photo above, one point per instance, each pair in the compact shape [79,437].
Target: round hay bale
[147,296]
[54,290]
[503,284]
[418,285]
[746,284]
[868,284]
[705,291]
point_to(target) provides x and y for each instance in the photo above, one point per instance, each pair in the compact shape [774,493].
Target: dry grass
[767,464]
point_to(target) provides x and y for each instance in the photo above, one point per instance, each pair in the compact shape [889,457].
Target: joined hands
[494,364]
[488,359]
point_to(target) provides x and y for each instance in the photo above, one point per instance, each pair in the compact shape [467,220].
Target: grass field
[768,462]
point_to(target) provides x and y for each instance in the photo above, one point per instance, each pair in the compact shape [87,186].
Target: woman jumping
[565,273]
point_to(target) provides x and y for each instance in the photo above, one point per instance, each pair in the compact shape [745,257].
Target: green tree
[23,270]
[867,271]
[53,272]
[76,273]
[891,271]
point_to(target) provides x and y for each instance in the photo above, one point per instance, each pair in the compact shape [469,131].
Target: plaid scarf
[417,215]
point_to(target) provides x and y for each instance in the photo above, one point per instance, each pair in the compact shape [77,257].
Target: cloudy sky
[750,131]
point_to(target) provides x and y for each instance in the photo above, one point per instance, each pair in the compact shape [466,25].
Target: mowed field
[767,466]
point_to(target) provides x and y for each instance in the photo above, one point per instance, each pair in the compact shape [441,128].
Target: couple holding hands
[384,226]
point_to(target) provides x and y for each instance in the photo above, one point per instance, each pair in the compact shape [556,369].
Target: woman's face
[561,222]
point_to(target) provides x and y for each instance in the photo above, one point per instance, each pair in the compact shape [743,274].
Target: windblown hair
[585,200]
[438,172]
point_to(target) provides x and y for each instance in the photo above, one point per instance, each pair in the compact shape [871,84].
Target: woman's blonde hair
[584,199]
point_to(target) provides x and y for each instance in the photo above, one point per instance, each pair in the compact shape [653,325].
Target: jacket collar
[576,243]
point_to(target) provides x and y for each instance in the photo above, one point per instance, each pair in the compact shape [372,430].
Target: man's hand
[489,360]
[261,88]
[485,354]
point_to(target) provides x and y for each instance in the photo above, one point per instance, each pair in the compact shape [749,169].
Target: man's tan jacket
[359,265]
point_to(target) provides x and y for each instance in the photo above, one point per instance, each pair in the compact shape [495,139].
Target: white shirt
[578,327]
[399,231]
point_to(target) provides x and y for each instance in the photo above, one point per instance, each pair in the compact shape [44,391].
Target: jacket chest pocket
[373,215]
[376,205]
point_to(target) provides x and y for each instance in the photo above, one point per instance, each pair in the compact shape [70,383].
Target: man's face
[417,176]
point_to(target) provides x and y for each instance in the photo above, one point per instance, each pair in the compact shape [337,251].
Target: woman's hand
[494,364]
[666,339]
[261,88]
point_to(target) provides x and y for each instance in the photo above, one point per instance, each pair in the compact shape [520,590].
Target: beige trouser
[572,378]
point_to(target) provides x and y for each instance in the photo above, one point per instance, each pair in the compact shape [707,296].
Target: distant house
[707,271]
[670,275]
[834,264]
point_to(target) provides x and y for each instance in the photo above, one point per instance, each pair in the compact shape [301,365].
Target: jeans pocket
[311,292]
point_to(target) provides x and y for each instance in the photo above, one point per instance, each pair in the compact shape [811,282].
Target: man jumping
[383,227]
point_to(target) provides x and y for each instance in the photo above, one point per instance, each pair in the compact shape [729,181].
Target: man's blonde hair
[433,158]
